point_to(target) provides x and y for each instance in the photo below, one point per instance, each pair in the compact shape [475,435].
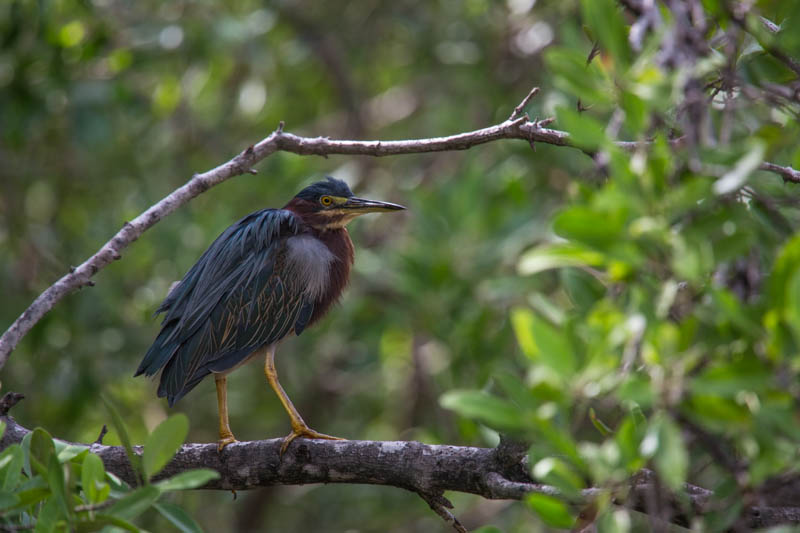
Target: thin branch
[102,434]
[9,400]
[442,506]
[525,101]
[519,128]
[787,173]
[741,20]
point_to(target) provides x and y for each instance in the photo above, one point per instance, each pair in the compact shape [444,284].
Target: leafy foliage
[675,331]
[49,486]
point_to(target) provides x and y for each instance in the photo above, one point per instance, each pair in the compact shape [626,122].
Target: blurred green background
[106,106]
[638,309]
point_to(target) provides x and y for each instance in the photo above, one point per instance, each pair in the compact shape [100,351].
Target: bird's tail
[159,354]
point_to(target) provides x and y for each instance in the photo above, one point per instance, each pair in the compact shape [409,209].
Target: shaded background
[106,106]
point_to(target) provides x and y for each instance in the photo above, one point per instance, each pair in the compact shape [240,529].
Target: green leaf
[57,482]
[93,479]
[553,471]
[792,311]
[11,462]
[598,424]
[638,390]
[585,132]
[636,111]
[787,263]
[598,228]
[552,511]
[582,288]
[188,480]
[516,390]
[478,405]
[671,458]
[606,23]
[522,322]
[67,451]
[178,517]
[8,499]
[551,256]
[122,432]
[629,439]
[136,502]
[719,413]
[163,443]
[47,520]
[100,521]
[26,449]
[729,379]
[572,75]
[33,495]
[41,450]
[542,342]
[731,307]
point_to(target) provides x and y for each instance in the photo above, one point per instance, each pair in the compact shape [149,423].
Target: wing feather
[237,298]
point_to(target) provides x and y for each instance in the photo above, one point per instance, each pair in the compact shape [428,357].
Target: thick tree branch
[516,127]
[428,470]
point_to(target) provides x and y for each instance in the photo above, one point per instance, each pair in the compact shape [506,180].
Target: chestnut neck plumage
[332,233]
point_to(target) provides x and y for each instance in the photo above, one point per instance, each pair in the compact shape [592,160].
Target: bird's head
[330,204]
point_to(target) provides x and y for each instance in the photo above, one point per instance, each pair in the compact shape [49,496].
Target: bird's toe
[224,441]
[305,432]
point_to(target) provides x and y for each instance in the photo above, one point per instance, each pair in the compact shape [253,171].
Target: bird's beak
[361,205]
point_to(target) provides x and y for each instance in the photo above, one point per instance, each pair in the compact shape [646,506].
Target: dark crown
[331,186]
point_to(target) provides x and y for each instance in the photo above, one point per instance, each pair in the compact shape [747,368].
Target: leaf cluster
[47,485]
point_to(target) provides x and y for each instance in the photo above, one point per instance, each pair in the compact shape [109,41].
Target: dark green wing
[234,300]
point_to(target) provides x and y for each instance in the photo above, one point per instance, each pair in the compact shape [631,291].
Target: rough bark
[428,470]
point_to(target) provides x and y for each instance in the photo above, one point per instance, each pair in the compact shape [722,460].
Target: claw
[221,443]
[305,432]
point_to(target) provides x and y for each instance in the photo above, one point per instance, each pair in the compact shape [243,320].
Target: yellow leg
[299,427]
[225,434]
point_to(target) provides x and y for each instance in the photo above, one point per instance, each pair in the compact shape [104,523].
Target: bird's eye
[326,200]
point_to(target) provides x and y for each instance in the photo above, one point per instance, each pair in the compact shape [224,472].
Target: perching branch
[518,126]
[428,470]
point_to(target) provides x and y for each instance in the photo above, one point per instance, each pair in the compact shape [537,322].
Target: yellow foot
[306,432]
[224,441]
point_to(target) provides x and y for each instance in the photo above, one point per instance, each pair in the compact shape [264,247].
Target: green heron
[273,273]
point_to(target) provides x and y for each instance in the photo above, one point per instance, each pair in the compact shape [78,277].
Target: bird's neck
[341,247]
[338,242]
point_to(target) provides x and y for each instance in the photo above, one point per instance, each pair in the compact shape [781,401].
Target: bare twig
[9,400]
[525,101]
[787,173]
[103,431]
[442,506]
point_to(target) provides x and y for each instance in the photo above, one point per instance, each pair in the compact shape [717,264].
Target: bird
[270,275]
